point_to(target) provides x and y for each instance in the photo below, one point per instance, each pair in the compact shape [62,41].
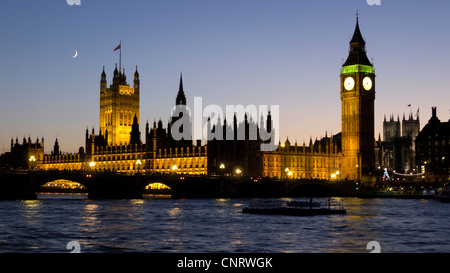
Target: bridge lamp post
[238,172]
[335,176]
[174,169]
[92,165]
[138,165]
[32,160]
[287,172]
[222,168]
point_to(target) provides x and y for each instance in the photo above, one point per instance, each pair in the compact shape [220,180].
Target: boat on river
[61,196]
[296,208]
[444,194]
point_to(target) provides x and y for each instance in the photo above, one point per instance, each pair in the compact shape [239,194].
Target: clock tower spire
[357,101]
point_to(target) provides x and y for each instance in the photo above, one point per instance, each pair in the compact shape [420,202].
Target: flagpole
[120,57]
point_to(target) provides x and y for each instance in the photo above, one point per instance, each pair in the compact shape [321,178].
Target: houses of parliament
[119,146]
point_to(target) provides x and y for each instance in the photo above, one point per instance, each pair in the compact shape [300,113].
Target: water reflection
[30,211]
[191,225]
[360,219]
[89,217]
[174,212]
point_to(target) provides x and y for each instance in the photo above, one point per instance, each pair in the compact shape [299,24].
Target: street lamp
[174,168]
[222,168]
[92,165]
[32,160]
[138,164]
[288,172]
[335,175]
[238,171]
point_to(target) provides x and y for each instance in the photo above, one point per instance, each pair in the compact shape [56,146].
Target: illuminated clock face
[349,83]
[367,83]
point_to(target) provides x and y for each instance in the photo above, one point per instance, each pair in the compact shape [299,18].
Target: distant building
[433,149]
[397,148]
[25,156]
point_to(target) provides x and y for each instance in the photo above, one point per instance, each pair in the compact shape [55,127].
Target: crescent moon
[76,54]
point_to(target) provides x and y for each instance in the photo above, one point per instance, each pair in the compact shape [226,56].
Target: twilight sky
[261,52]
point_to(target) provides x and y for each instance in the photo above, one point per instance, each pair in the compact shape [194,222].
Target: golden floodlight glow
[157,186]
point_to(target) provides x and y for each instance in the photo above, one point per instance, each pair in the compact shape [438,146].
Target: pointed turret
[116,72]
[116,77]
[136,81]
[103,77]
[56,148]
[135,135]
[123,78]
[136,73]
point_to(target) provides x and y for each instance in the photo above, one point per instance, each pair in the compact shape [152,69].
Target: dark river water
[218,225]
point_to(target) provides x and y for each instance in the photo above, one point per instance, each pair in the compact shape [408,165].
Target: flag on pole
[118,47]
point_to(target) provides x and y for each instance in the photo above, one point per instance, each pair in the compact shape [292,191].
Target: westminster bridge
[103,185]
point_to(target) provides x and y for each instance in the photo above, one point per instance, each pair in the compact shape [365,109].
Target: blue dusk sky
[261,52]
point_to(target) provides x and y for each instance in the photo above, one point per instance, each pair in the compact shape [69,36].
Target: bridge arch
[62,189]
[157,189]
[62,185]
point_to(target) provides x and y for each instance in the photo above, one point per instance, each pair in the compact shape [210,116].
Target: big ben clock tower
[357,99]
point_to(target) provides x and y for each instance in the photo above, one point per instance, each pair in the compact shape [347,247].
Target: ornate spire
[136,73]
[103,78]
[116,72]
[181,98]
[357,54]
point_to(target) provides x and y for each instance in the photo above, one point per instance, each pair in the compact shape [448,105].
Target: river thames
[218,225]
